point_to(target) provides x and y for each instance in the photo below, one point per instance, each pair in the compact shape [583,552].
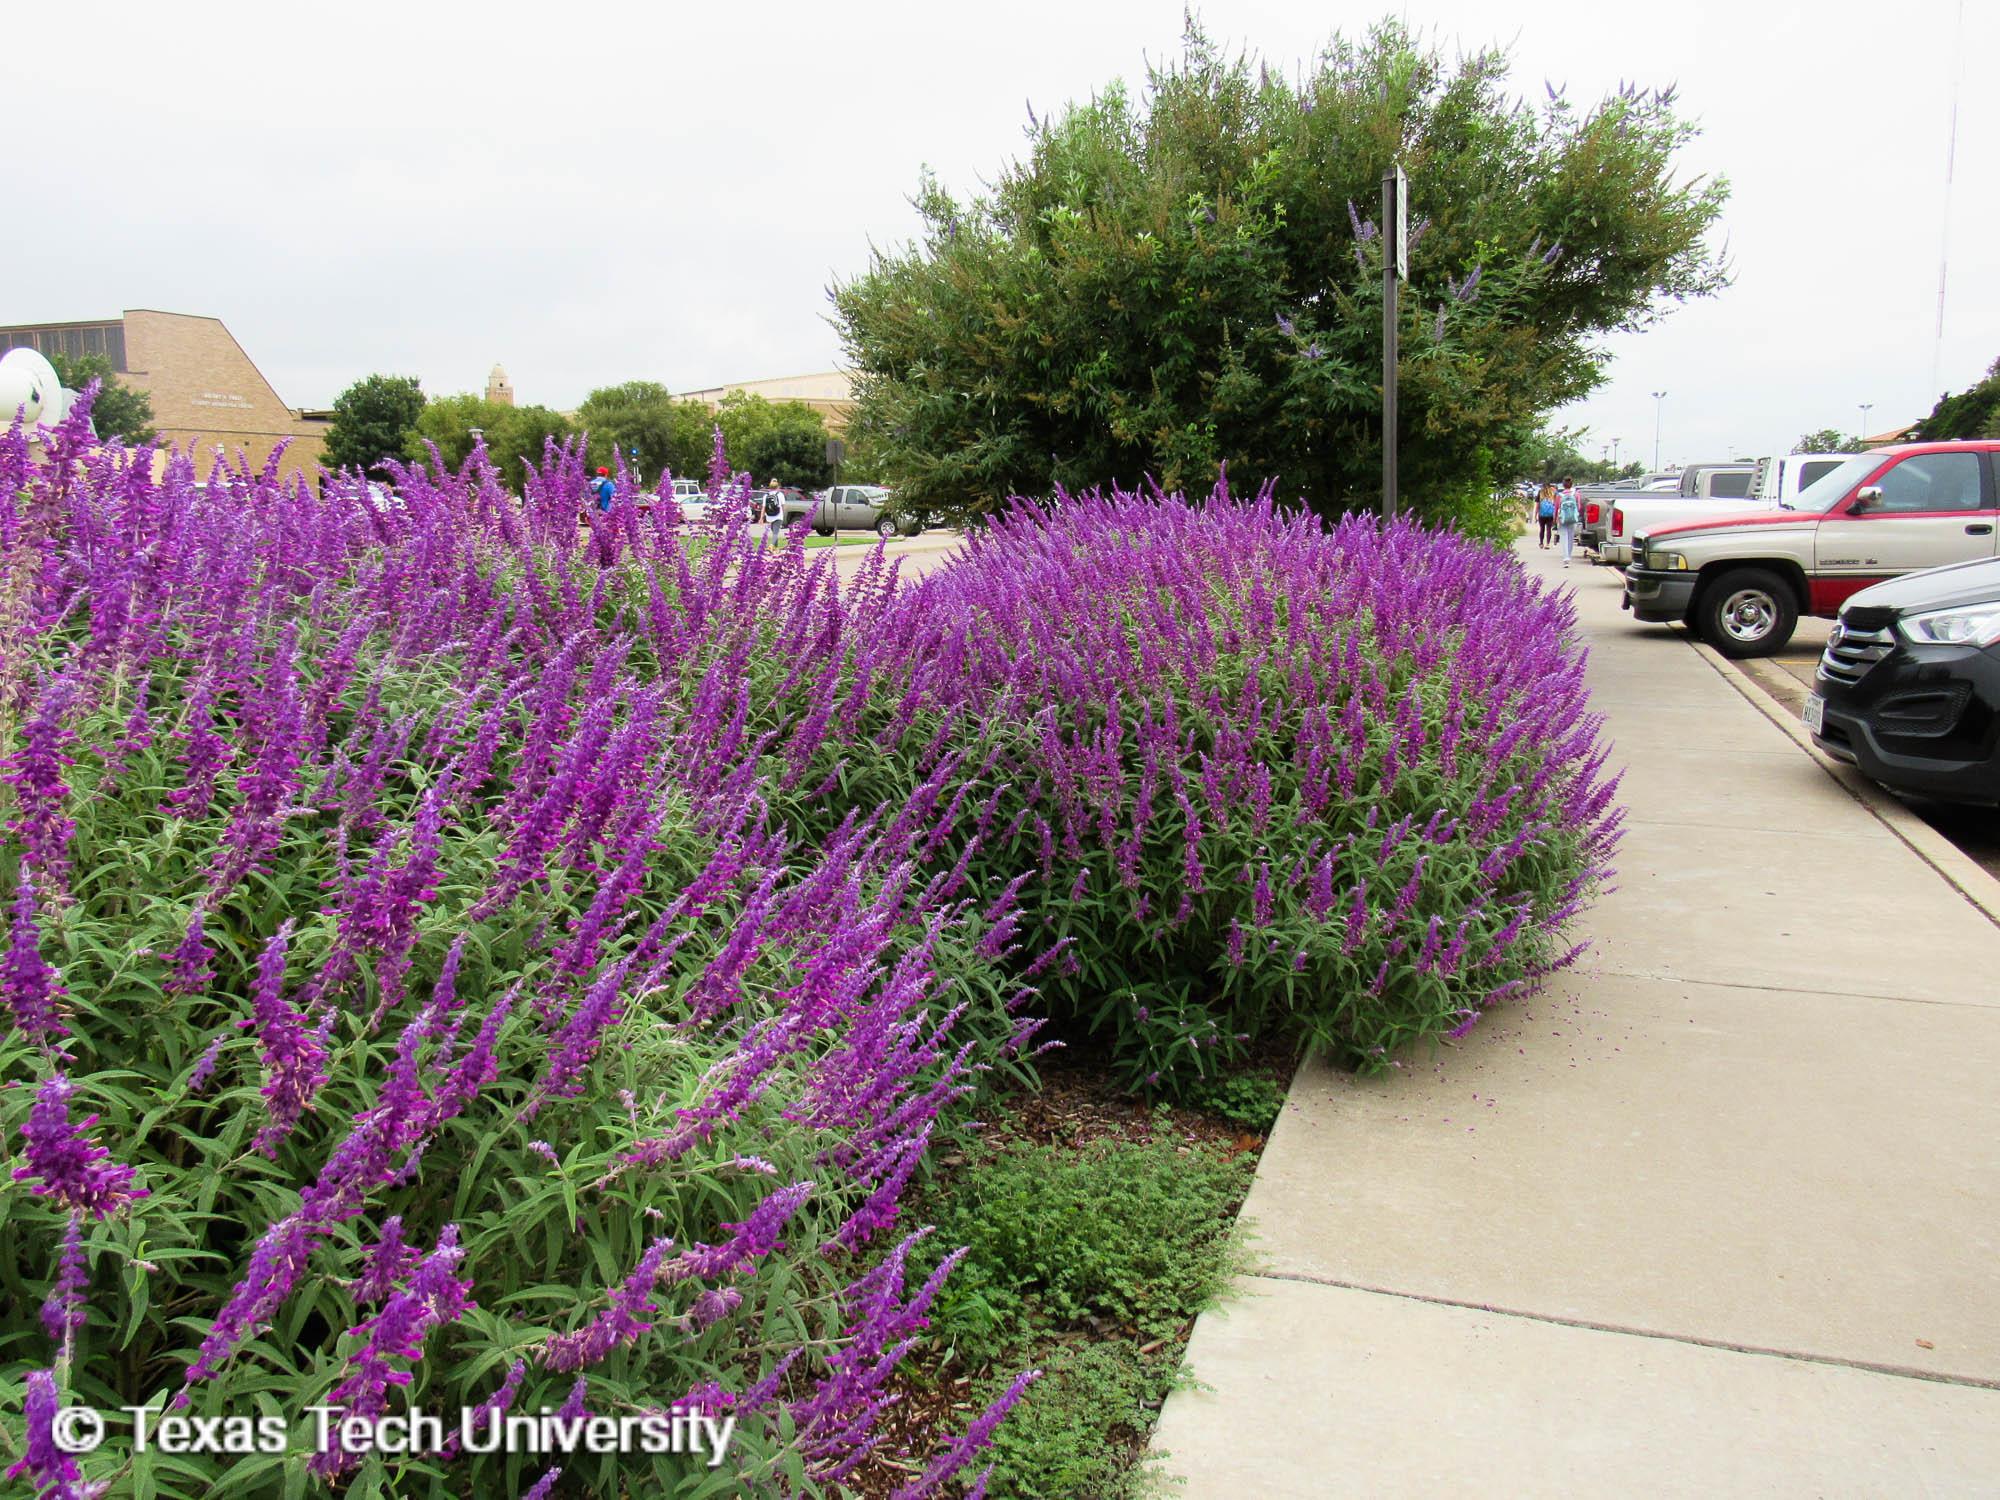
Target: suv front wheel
[1747,612]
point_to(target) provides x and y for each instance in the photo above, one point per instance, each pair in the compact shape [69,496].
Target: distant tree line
[387,417]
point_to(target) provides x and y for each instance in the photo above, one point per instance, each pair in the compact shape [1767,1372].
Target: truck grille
[1850,652]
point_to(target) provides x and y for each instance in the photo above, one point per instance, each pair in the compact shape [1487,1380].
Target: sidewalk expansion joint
[1810,992]
[1730,1346]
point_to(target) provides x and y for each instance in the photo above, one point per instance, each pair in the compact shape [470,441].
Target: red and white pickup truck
[1743,580]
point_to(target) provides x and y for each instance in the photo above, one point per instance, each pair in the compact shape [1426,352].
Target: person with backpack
[1569,516]
[1545,512]
[605,490]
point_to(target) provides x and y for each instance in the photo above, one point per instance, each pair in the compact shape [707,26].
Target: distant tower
[499,388]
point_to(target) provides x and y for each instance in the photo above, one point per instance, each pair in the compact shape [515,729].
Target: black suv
[1908,688]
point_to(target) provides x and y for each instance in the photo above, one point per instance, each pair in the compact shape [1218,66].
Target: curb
[1960,871]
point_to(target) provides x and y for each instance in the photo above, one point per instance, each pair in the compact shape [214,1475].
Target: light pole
[1659,405]
[1861,437]
[1614,451]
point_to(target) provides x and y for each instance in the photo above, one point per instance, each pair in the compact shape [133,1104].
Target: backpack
[1548,509]
[1570,515]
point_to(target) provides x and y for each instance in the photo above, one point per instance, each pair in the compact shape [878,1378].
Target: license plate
[1815,713]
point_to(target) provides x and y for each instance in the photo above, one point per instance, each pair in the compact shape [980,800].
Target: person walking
[1569,516]
[1545,512]
[605,490]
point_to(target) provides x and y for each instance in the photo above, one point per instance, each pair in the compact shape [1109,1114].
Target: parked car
[1783,477]
[1743,580]
[1777,483]
[1908,689]
[1722,481]
[851,507]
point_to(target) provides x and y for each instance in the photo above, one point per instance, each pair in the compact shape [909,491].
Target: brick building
[204,388]
[830,393]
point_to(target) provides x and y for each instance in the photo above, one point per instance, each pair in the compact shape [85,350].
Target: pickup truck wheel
[1747,612]
[885,528]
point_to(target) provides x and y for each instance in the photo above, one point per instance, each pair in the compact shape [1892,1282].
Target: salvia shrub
[477,951]
[413,1003]
[1270,777]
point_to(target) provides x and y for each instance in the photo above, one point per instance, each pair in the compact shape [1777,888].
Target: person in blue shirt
[604,489]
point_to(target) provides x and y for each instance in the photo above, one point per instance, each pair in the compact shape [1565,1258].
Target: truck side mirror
[1865,499]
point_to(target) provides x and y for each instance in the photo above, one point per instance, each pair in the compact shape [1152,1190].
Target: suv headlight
[1971,625]
[1666,562]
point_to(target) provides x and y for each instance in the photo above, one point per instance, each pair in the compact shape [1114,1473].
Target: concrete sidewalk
[1718,1214]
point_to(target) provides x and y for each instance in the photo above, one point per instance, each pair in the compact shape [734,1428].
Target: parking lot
[1787,678]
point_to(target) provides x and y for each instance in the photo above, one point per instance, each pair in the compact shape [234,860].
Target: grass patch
[1095,1228]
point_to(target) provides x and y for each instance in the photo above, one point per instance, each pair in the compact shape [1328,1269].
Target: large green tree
[1826,440]
[513,435]
[781,440]
[643,414]
[1193,278]
[373,420]
[119,411]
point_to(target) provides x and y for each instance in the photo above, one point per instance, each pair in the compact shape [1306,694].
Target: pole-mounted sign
[1395,270]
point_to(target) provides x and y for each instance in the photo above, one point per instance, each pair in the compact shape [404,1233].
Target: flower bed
[525,960]
[408,988]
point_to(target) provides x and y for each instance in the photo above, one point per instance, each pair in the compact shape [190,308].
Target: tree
[1972,412]
[1553,454]
[781,440]
[372,421]
[1826,440]
[642,414]
[1193,279]
[513,434]
[119,412]
[523,437]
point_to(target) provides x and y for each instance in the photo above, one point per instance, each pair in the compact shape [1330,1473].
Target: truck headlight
[1971,625]
[1666,562]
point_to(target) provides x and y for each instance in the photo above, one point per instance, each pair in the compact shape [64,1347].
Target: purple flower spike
[72,1170]
[30,986]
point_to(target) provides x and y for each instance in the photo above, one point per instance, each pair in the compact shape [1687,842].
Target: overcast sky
[595,193]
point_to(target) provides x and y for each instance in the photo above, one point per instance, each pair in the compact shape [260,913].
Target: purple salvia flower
[713,1305]
[30,985]
[72,1170]
[621,1322]
[393,1340]
[63,1312]
[44,1463]
[35,771]
[387,1264]
[190,967]
[294,1054]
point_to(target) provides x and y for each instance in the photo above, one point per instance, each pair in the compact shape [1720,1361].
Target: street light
[1861,437]
[1659,405]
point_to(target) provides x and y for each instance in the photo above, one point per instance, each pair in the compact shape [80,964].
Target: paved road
[1719,1214]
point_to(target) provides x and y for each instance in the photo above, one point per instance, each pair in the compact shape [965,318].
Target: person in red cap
[606,490]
